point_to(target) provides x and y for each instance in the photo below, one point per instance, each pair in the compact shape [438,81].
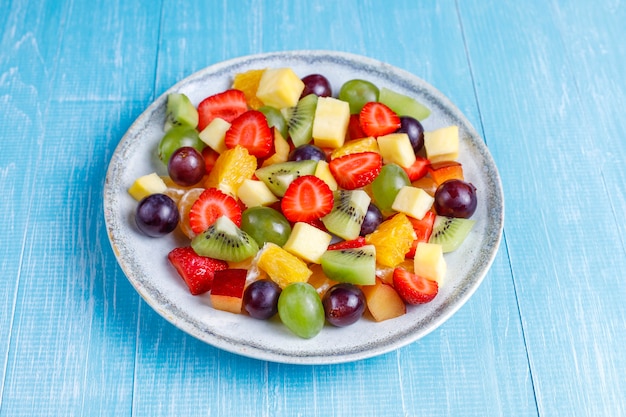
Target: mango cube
[214,134]
[383,302]
[147,185]
[412,201]
[307,242]
[330,123]
[429,262]
[396,148]
[255,193]
[280,88]
[442,144]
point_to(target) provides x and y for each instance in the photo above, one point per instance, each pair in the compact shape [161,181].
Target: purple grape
[260,299]
[307,151]
[456,198]
[414,130]
[157,215]
[186,166]
[344,304]
[373,219]
[316,84]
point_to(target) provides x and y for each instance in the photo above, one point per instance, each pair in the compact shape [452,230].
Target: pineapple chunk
[147,185]
[282,267]
[442,144]
[413,202]
[255,193]
[429,262]
[280,88]
[330,123]
[214,134]
[322,171]
[281,150]
[396,148]
[307,242]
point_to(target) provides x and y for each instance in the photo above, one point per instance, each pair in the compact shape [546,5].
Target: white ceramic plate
[144,260]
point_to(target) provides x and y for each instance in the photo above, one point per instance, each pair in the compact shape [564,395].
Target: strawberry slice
[377,119]
[423,229]
[211,205]
[419,168]
[354,128]
[210,156]
[196,270]
[307,198]
[348,244]
[250,130]
[356,170]
[226,105]
[413,288]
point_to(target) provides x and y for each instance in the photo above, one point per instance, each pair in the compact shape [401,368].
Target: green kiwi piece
[275,119]
[180,112]
[348,213]
[300,120]
[403,105]
[224,240]
[356,265]
[277,177]
[450,232]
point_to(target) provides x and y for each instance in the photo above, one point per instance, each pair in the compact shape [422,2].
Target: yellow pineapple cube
[330,123]
[442,144]
[280,88]
[322,171]
[307,242]
[396,148]
[147,185]
[412,201]
[367,144]
[255,193]
[281,266]
[281,150]
[429,262]
[214,134]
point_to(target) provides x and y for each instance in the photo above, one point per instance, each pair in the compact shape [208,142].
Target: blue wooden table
[542,82]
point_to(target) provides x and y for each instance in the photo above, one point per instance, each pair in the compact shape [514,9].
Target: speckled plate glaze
[144,260]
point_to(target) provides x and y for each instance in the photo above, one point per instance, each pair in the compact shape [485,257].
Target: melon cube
[147,185]
[214,134]
[383,302]
[330,123]
[255,193]
[442,144]
[396,148]
[412,201]
[307,242]
[280,88]
[429,262]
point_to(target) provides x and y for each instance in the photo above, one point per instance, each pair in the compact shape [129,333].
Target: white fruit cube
[442,144]
[307,242]
[147,185]
[214,134]
[396,148]
[413,202]
[322,171]
[280,88]
[330,123]
[429,262]
[255,193]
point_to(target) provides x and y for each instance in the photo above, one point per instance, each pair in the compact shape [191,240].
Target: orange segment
[282,267]
[392,240]
[184,206]
[368,144]
[248,83]
[232,167]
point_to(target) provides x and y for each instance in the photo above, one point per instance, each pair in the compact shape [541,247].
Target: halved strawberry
[211,205]
[377,119]
[356,170]
[418,169]
[423,229]
[226,105]
[354,128]
[348,244]
[307,198]
[413,288]
[250,130]
[196,270]
[210,156]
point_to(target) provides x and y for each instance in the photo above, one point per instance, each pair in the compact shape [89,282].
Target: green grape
[177,137]
[300,309]
[265,224]
[357,93]
[275,118]
[387,185]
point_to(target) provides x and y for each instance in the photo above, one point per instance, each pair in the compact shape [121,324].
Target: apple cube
[307,242]
[396,148]
[322,171]
[255,193]
[147,185]
[227,289]
[429,262]
[280,88]
[215,133]
[413,202]
[442,144]
[330,123]
[383,302]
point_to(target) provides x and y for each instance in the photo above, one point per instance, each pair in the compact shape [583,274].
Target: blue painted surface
[543,82]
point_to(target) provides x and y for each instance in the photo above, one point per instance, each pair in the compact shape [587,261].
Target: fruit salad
[315,206]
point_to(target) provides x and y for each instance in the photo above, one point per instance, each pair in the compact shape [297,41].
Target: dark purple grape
[344,304]
[373,219]
[186,166]
[260,299]
[414,130]
[307,151]
[456,198]
[157,215]
[316,84]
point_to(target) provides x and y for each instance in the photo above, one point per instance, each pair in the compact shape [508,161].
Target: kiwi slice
[348,213]
[450,232]
[224,240]
[277,177]
[180,111]
[403,105]
[275,119]
[355,265]
[300,120]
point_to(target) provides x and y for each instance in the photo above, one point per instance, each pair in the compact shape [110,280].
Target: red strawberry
[376,119]
[423,229]
[210,156]
[413,288]
[307,198]
[418,169]
[356,170]
[250,130]
[226,105]
[211,205]
[348,244]
[196,270]
[354,128]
